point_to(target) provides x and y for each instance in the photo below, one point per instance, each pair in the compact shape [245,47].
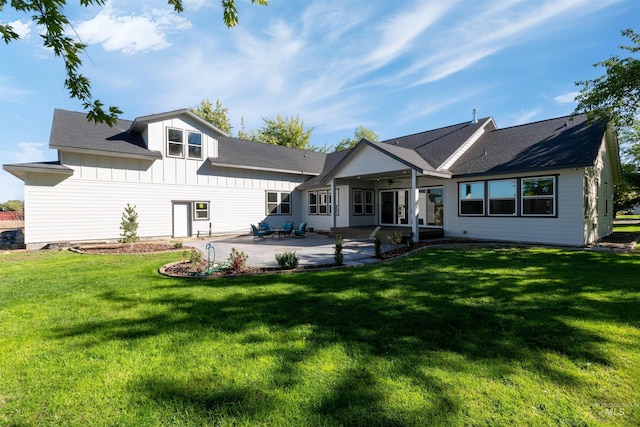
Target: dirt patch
[125,248]
[620,237]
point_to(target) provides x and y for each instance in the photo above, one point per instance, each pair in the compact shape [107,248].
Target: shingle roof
[234,152]
[437,145]
[331,161]
[72,131]
[549,144]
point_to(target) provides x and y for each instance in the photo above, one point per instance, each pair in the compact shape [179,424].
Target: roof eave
[213,162]
[21,169]
[140,123]
[153,155]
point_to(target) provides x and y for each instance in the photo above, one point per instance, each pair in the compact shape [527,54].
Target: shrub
[378,245]
[129,225]
[395,238]
[337,255]
[287,260]
[177,245]
[238,260]
[195,257]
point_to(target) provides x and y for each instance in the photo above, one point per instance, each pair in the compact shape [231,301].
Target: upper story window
[175,143]
[539,196]
[502,197]
[471,198]
[194,140]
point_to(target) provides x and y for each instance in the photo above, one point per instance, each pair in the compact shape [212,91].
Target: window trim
[553,197]
[279,203]
[483,199]
[196,210]
[317,205]
[363,203]
[189,145]
[514,198]
[170,142]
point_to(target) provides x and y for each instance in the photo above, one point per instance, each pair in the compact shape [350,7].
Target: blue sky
[396,67]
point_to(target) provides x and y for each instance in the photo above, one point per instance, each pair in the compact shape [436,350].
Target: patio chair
[264,227]
[258,233]
[287,228]
[299,232]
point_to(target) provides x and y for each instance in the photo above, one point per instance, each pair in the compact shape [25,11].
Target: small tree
[129,225]
[338,257]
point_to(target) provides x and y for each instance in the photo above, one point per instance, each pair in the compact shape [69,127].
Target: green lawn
[443,337]
[631,228]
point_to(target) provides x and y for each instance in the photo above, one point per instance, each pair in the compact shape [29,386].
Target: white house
[545,182]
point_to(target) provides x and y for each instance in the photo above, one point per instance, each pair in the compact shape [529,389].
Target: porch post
[333,203]
[415,206]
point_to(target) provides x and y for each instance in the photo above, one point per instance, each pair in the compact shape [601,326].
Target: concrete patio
[313,249]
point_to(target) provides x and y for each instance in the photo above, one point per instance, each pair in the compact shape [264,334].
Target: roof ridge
[568,116]
[433,130]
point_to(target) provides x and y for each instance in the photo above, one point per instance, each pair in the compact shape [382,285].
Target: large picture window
[538,196]
[502,197]
[278,203]
[194,141]
[471,198]
[175,143]
[363,202]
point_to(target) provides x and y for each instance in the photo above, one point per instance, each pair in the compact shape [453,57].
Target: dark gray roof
[234,152]
[437,145]
[549,144]
[331,161]
[72,131]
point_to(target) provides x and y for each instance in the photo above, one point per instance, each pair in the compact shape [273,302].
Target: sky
[395,67]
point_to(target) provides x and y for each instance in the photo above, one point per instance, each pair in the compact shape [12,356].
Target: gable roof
[557,143]
[19,170]
[71,131]
[243,154]
[140,123]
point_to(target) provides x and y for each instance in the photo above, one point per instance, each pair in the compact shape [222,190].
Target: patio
[313,249]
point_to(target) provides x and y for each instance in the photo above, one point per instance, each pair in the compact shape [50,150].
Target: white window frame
[171,143]
[552,197]
[313,203]
[279,202]
[462,199]
[197,210]
[366,204]
[190,145]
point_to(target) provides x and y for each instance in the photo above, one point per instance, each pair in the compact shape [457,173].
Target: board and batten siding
[565,229]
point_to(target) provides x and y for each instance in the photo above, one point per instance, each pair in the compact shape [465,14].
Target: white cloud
[131,33]
[13,94]
[23,29]
[522,117]
[567,98]
[29,152]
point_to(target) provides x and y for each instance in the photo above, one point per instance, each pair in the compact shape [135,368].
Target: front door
[181,220]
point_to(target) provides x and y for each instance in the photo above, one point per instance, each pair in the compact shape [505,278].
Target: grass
[629,228]
[442,337]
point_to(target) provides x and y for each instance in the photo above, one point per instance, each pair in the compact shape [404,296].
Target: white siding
[566,229]
[598,183]
[368,160]
[325,222]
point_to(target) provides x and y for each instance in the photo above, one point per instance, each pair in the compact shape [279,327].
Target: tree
[614,97]
[361,132]
[217,117]
[12,205]
[288,131]
[50,15]
[129,225]
[626,195]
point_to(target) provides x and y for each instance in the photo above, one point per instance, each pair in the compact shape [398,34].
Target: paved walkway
[313,249]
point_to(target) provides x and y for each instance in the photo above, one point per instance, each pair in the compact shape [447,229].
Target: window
[194,141]
[538,196]
[313,203]
[201,210]
[502,197]
[471,198]
[320,202]
[278,203]
[323,209]
[606,198]
[363,202]
[175,144]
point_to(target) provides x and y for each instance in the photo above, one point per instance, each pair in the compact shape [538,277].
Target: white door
[181,220]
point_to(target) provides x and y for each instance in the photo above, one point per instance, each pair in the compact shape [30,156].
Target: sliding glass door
[395,207]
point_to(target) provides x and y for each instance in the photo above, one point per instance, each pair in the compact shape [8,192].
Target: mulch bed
[125,248]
